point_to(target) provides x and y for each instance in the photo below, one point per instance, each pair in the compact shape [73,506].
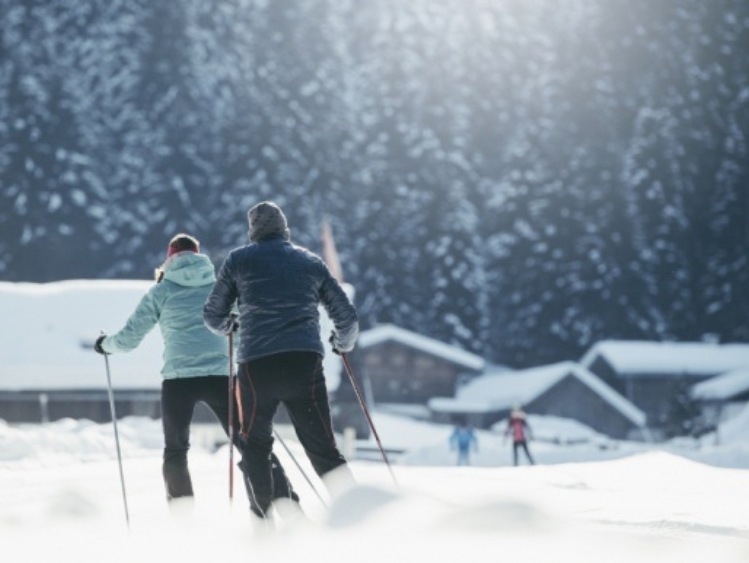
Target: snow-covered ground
[588,499]
[61,500]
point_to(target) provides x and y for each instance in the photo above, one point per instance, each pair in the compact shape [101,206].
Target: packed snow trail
[651,507]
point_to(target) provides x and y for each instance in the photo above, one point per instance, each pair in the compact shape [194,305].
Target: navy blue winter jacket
[278,287]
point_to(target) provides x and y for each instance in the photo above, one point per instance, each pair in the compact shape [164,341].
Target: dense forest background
[519,177]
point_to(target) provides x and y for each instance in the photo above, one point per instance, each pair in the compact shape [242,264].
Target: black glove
[332,343]
[233,322]
[97,344]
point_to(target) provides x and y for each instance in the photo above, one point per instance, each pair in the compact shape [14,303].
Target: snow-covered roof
[722,387]
[501,391]
[46,333]
[388,332]
[674,358]
[44,328]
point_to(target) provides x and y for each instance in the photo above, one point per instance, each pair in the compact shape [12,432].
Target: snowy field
[60,500]
[588,499]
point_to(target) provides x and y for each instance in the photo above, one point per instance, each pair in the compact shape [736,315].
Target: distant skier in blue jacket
[464,440]
[196,361]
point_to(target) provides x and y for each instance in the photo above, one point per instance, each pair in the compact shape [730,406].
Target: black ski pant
[296,380]
[516,445]
[178,400]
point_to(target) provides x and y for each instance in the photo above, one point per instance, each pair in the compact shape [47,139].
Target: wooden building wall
[400,374]
[653,393]
[601,368]
[570,398]
[38,406]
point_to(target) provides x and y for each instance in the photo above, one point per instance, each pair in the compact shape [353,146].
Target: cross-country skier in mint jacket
[196,361]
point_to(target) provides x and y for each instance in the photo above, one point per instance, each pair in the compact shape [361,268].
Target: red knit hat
[182,243]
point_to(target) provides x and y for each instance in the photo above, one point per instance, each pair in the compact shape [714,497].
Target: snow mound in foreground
[366,524]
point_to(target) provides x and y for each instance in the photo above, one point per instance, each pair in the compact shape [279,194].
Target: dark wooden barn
[92,404]
[406,369]
[655,376]
[564,390]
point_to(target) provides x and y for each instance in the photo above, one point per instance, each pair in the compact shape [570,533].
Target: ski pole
[116,439]
[299,467]
[363,405]
[231,416]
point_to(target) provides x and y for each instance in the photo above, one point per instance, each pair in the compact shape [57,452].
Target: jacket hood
[189,269]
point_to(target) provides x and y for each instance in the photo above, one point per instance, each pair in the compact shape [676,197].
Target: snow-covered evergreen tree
[597,159]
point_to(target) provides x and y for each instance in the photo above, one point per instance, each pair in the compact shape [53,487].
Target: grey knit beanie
[267,219]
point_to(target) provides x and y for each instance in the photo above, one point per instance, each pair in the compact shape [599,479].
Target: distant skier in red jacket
[518,427]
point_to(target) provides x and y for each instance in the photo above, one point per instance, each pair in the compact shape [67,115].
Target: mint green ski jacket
[176,305]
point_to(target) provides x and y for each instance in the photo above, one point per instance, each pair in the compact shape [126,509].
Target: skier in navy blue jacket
[278,288]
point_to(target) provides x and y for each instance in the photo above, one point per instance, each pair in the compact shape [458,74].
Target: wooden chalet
[565,390]
[652,375]
[404,370]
